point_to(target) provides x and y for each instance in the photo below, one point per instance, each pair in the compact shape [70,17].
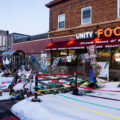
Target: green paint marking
[85,101]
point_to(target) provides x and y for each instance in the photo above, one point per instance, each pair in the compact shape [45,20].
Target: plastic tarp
[8,52]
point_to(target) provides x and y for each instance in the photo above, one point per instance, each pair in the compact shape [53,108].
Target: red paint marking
[11,118]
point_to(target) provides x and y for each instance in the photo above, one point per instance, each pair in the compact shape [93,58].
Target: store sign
[85,35]
[108,32]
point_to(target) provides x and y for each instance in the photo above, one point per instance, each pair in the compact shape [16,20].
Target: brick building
[77,24]
[32,47]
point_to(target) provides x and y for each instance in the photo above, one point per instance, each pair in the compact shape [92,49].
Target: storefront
[73,51]
[12,60]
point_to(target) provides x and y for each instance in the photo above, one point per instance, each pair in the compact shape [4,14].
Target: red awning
[82,44]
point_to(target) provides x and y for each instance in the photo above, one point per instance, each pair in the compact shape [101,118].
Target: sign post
[92,56]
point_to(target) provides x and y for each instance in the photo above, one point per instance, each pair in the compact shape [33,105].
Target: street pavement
[5,113]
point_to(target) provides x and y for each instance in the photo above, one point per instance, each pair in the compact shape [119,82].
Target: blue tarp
[8,52]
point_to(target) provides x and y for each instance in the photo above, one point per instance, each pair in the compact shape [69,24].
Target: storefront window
[63,53]
[72,52]
[55,53]
[109,55]
[104,55]
[116,59]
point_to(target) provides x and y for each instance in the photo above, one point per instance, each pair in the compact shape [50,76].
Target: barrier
[77,86]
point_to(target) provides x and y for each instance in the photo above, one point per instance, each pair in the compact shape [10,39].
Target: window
[63,53]
[72,52]
[118,8]
[61,21]
[86,15]
[4,41]
[0,40]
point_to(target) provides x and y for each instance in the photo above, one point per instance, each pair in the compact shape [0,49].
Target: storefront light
[50,44]
[96,39]
[117,59]
[70,42]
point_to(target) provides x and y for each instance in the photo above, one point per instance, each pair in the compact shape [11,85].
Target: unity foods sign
[108,32]
[85,35]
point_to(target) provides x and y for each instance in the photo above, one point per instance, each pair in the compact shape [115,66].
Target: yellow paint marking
[53,89]
[101,113]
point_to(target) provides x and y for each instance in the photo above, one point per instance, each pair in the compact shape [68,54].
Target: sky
[29,17]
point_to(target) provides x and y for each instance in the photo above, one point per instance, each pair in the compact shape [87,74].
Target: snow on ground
[108,86]
[5,96]
[69,107]
[5,82]
[19,86]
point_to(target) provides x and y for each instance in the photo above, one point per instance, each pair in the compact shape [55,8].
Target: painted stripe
[85,101]
[101,113]
[90,102]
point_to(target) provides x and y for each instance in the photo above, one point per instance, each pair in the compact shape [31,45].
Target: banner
[55,62]
[44,62]
[66,59]
[104,69]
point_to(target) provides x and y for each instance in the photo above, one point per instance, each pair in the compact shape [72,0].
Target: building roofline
[19,34]
[54,2]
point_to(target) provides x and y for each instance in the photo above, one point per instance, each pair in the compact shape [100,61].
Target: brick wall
[102,11]
[31,47]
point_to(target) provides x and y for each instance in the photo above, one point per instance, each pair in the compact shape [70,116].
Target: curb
[12,99]
[103,97]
